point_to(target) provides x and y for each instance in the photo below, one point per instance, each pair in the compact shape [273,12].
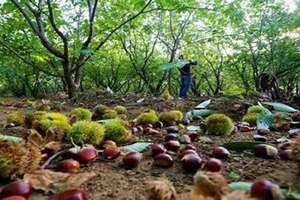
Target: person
[187,79]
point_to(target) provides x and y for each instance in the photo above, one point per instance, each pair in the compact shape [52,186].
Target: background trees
[49,45]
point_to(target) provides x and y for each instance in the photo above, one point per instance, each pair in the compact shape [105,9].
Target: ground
[113,181]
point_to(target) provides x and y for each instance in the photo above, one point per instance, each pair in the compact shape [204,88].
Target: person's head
[181,57]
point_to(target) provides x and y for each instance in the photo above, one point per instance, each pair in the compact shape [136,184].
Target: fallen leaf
[35,138]
[54,182]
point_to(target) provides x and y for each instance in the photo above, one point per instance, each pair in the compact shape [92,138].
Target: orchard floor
[113,181]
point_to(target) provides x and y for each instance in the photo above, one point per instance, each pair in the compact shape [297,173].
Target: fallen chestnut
[188,146]
[148,126]
[134,130]
[87,154]
[109,144]
[193,136]
[263,131]
[111,153]
[265,151]
[157,149]
[158,125]
[191,162]
[172,129]
[14,198]
[186,121]
[213,165]
[293,133]
[163,160]
[151,131]
[286,154]
[69,165]
[172,145]
[171,136]
[73,194]
[260,138]
[187,151]
[220,152]
[185,139]
[265,190]
[17,188]
[132,159]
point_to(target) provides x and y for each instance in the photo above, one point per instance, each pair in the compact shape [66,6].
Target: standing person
[186,77]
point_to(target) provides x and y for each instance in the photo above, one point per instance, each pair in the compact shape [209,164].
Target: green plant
[81,114]
[255,109]
[54,120]
[171,116]
[86,132]
[219,124]
[251,118]
[149,117]
[120,109]
[109,114]
[16,117]
[116,130]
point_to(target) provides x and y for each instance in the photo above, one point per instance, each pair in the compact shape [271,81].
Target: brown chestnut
[111,153]
[265,190]
[189,146]
[263,131]
[109,144]
[286,154]
[69,165]
[187,151]
[172,145]
[265,151]
[73,194]
[14,198]
[171,136]
[293,133]
[220,152]
[158,124]
[140,128]
[185,139]
[213,165]
[132,159]
[87,154]
[17,188]
[193,136]
[260,138]
[163,160]
[172,129]
[151,131]
[191,162]
[157,149]
[186,121]
[134,130]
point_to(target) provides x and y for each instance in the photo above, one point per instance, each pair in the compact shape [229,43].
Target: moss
[36,115]
[171,116]
[99,110]
[54,120]
[251,118]
[109,114]
[149,117]
[120,109]
[16,117]
[219,124]
[81,114]
[86,132]
[255,109]
[116,130]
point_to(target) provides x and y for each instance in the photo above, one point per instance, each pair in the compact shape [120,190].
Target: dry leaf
[54,134]
[50,181]
[35,138]
[161,190]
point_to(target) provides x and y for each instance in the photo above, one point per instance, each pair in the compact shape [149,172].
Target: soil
[113,181]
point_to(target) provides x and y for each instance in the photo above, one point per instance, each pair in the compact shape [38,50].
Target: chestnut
[187,151]
[185,139]
[191,162]
[132,159]
[140,128]
[265,190]
[73,194]
[151,131]
[109,144]
[260,138]
[14,198]
[186,121]
[172,145]
[193,136]
[246,128]
[213,165]
[171,136]
[69,165]
[293,133]
[157,149]
[189,146]
[172,129]
[263,131]
[148,126]
[134,130]
[163,160]
[111,153]
[17,188]
[286,154]
[220,152]
[158,124]
[265,151]
[87,154]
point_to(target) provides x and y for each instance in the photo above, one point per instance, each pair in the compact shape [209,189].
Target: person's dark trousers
[185,85]
[193,87]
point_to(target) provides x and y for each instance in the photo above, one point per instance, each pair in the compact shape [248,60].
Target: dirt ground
[113,181]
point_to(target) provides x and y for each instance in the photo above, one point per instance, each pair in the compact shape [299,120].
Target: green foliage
[219,124]
[251,118]
[110,114]
[81,114]
[86,132]
[16,117]
[255,109]
[116,130]
[170,117]
[54,120]
[147,118]
[120,109]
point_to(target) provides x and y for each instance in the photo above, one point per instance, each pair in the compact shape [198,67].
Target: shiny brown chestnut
[14,198]
[213,165]
[73,194]
[191,162]
[172,145]
[265,151]
[185,139]
[157,149]
[171,136]
[189,146]
[263,131]
[163,160]
[187,151]
[158,124]
[132,160]
[69,165]
[260,138]
[109,144]
[172,129]
[286,154]
[17,188]
[111,153]
[220,152]
[265,190]
[151,131]
[193,136]
[186,121]
[134,130]
[87,154]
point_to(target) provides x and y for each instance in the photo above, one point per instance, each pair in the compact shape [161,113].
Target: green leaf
[136,147]
[265,120]
[241,146]
[238,186]
[198,113]
[204,104]
[168,66]
[11,139]
[280,107]
[293,196]
[86,52]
